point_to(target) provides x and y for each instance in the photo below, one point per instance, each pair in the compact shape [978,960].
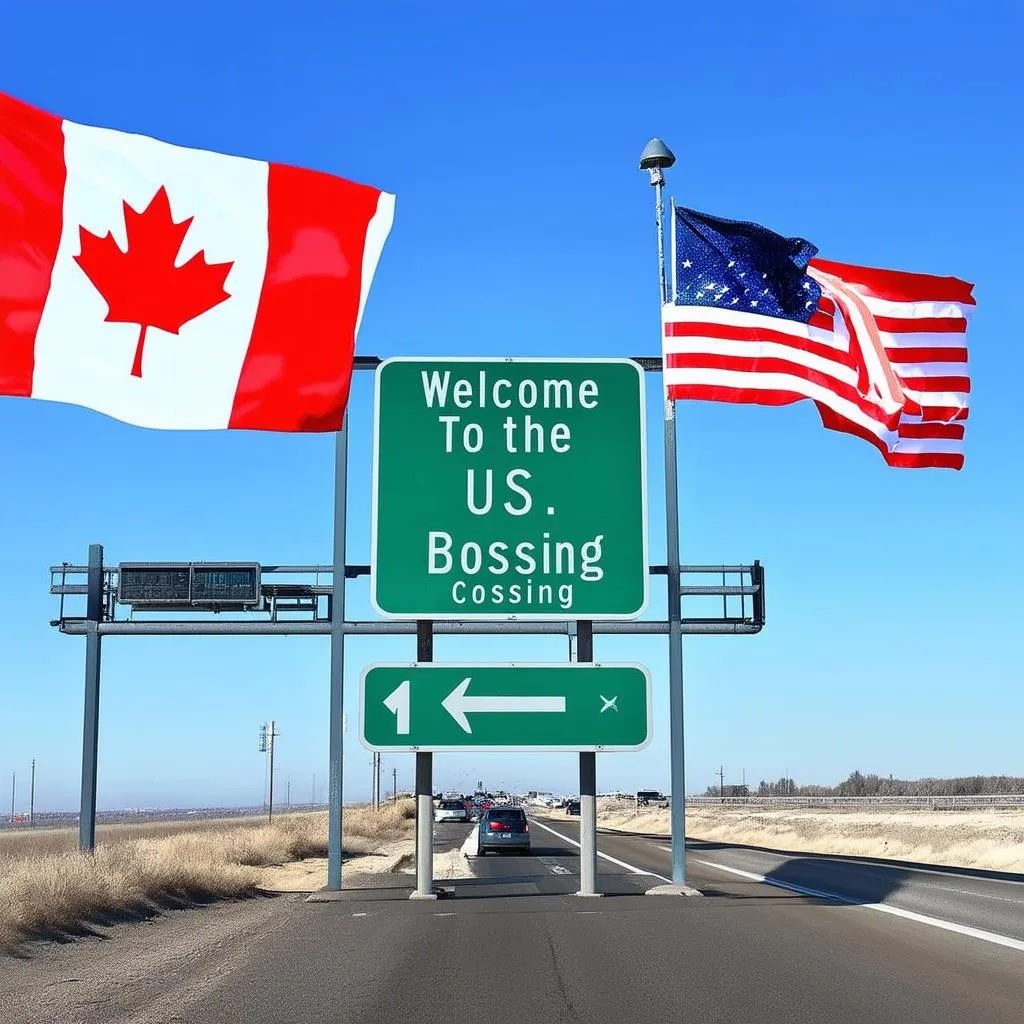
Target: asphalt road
[982,900]
[512,944]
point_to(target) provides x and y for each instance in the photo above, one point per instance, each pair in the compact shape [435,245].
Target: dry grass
[991,839]
[47,889]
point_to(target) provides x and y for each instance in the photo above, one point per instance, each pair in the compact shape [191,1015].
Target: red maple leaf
[143,286]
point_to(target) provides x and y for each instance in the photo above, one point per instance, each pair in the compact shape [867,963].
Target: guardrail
[935,802]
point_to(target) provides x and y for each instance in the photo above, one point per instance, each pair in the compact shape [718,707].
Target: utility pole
[721,781]
[377,759]
[394,782]
[312,796]
[288,792]
[14,779]
[271,736]
[268,734]
[32,796]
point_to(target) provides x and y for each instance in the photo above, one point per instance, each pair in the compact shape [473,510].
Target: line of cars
[501,826]
[462,808]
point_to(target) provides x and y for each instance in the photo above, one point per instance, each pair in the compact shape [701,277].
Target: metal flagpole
[337,702]
[654,159]
[91,718]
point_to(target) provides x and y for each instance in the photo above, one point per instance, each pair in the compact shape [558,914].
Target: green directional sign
[535,707]
[509,489]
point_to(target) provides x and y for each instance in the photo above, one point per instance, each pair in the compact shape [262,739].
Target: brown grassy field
[48,888]
[992,838]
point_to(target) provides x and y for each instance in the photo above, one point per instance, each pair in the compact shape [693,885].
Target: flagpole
[655,158]
[337,705]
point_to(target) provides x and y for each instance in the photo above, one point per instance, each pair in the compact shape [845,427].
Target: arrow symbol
[397,702]
[458,705]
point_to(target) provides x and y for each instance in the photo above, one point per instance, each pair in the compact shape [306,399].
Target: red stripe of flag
[898,285]
[768,364]
[298,366]
[929,354]
[731,332]
[960,384]
[922,324]
[945,431]
[739,396]
[32,178]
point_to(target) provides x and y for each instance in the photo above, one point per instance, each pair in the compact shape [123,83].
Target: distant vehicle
[503,828]
[644,797]
[572,807]
[451,810]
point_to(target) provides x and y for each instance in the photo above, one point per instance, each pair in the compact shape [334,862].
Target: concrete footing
[673,890]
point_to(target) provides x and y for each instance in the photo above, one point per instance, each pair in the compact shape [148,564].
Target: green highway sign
[435,706]
[509,489]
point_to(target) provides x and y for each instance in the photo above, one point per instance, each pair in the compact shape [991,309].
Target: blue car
[503,828]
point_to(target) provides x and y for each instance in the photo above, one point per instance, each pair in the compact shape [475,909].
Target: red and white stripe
[884,357]
[275,354]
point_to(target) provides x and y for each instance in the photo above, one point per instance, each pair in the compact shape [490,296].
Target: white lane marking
[620,863]
[939,888]
[982,895]
[359,915]
[468,848]
[884,908]
[897,865]
[553,867]
[450,914]
[947,874]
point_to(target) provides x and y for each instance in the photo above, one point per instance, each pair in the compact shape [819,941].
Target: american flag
[755,318]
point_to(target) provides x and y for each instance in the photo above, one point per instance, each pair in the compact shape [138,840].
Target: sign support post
[337,700]
[424,788]
[655,158]
[588,783]
[91,727]
[677,735]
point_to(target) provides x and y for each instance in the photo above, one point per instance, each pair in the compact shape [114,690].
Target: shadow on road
[854,883]
[884,863]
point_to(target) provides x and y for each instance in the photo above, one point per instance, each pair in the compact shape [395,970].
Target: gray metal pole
[675,606]
[337,703]
[270,804]
[588,784]
[91,721]
[424,788]
[658,186]
[14,789]
[32,796]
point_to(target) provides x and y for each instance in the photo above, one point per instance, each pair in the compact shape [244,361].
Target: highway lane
[978,900]
[512,944]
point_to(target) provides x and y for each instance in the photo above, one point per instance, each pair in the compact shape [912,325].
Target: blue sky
[523,227]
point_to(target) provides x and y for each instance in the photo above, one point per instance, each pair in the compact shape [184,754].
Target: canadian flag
[178,288]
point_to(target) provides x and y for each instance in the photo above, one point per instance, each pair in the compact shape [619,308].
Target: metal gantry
[299,600]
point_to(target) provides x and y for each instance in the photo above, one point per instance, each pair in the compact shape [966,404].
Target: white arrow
[397,702]
[457,704]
